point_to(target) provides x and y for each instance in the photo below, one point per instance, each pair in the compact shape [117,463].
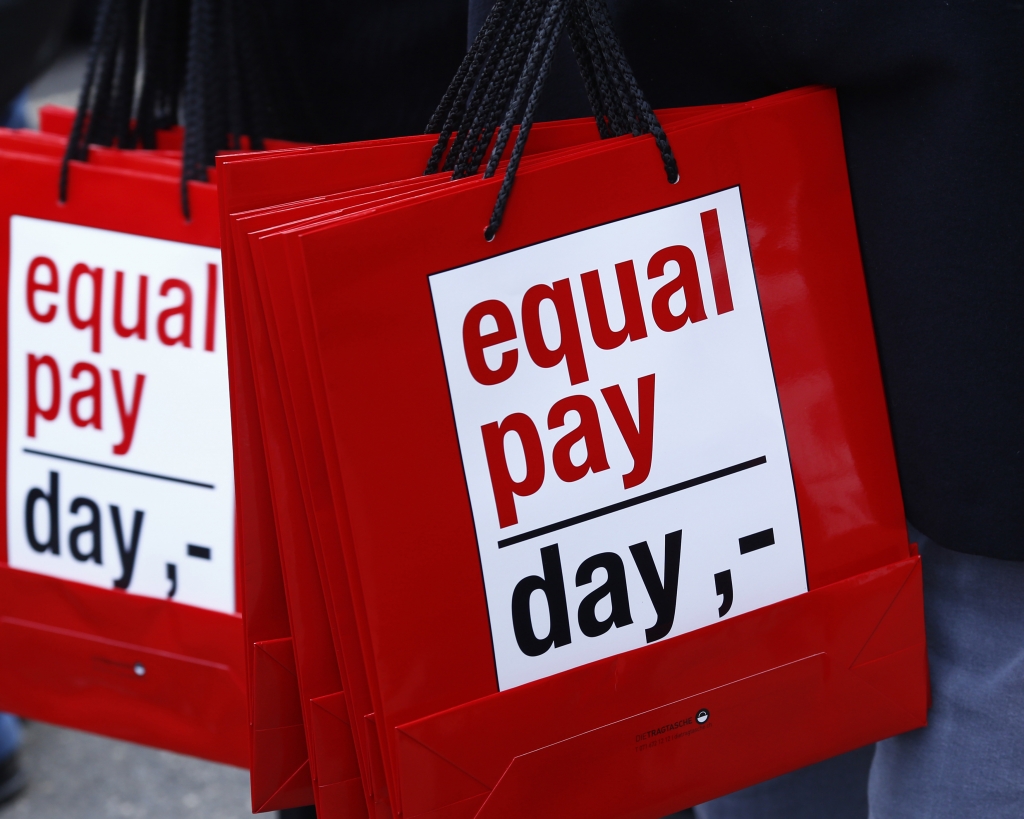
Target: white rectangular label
[621,436]
[119,462]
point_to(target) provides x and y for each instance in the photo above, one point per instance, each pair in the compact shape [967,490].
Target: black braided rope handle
[546,41]
[199,58]
[505,70]
[101,38]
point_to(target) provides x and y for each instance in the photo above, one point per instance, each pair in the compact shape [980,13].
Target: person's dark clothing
[932,101]
[354,71]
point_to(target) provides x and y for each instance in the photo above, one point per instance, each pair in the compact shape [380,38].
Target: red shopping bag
[118,604]
[279,775]
[460,377]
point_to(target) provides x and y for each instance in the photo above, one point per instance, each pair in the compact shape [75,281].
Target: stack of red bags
[597,515]
[119,478]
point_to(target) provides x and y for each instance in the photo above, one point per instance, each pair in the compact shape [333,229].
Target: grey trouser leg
[833,789]
[10,735]
[969,761]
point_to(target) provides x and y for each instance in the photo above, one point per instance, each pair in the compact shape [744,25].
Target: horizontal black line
[117,468]
[758,540]
[626,504]
[202,552]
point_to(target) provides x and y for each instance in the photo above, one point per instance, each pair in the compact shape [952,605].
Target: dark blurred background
[338,71]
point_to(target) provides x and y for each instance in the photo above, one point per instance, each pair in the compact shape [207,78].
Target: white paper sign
[621,436]
[119,462]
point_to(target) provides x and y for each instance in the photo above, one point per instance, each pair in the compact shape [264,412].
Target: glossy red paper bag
[274,273]
[118,600]
[526,653]
[278,272]
[279,775]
